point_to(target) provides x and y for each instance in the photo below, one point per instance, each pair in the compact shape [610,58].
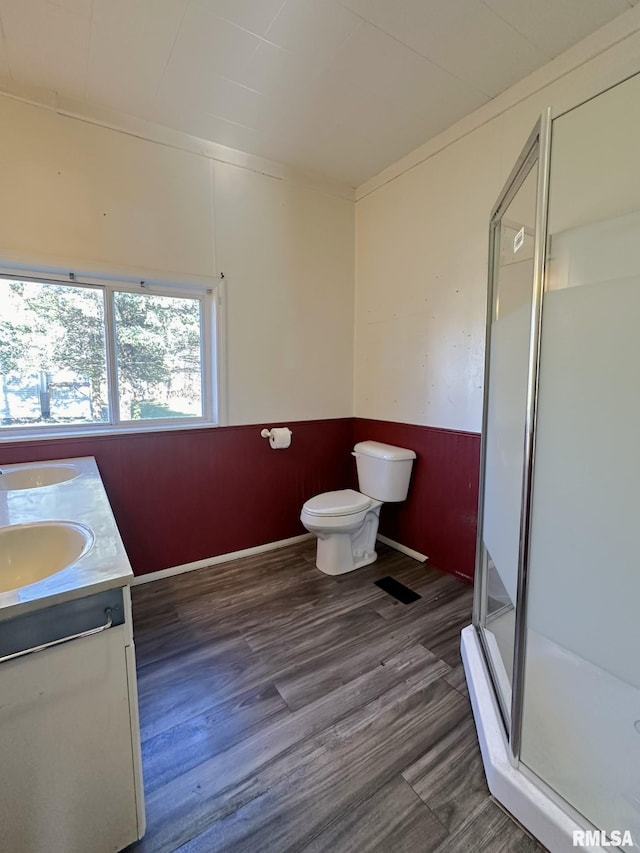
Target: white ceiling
[343,87]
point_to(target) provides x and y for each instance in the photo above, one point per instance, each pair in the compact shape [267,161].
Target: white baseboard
[403,549]
[221,558]
[258,549]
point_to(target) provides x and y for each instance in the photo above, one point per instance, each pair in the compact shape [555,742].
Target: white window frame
[212,349]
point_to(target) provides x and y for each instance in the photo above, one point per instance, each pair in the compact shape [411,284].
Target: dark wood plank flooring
[282,709]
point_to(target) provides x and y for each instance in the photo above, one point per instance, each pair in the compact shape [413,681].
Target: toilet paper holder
[279,437]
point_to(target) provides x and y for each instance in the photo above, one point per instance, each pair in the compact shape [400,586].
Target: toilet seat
[340,503]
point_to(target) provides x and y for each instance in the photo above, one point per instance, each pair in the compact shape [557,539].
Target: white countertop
[82,499]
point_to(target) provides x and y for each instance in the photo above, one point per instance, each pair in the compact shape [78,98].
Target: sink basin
[36,476]
[31,552]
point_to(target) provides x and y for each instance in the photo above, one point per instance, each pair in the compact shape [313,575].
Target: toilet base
[339,553]
[332,557]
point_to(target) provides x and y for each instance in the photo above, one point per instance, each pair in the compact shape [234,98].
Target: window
[84,356]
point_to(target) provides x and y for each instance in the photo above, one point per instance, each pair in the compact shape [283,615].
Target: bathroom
[345,292]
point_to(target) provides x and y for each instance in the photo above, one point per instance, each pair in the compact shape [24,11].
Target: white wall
[421,246]
[287,255]
[74,195]
[422,238]
[72,192]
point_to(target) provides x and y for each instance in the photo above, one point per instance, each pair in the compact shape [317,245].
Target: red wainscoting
[439,516]
[186,495]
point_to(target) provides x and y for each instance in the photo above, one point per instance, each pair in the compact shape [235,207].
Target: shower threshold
[532,802]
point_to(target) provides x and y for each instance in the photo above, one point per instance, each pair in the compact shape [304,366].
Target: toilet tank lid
[384,451]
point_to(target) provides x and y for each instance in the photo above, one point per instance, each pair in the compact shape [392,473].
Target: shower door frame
[537,149]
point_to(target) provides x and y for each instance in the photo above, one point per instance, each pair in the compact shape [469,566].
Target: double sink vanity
[71,777]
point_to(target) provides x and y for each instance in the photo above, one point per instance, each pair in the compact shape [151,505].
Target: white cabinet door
[66,760]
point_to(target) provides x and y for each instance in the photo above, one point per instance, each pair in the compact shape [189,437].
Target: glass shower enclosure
[556,626]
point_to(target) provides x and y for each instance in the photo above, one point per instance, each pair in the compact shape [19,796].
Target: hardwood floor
[282,709]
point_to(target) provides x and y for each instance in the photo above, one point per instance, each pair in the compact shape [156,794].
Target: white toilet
[346,522]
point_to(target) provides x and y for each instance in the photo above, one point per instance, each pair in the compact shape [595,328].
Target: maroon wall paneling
[440,513]
[186,495]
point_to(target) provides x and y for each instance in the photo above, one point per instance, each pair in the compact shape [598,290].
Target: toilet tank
[384,471]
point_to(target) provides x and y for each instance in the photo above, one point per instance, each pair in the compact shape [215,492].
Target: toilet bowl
[345,522]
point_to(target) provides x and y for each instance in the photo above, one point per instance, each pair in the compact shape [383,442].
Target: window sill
[107,430]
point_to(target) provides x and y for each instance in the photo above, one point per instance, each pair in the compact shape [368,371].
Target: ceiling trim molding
[161,135]
[620,39]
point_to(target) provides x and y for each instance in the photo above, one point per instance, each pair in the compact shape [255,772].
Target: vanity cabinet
[70,763]
[70,768]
